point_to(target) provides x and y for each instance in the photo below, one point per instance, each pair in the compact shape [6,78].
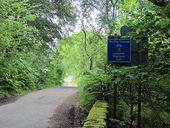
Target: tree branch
[114,6]
[85,46]
[161,3]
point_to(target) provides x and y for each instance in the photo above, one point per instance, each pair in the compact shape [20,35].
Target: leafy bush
[92,86]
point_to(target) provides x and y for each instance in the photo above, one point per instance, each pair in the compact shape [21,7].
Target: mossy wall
[97,116]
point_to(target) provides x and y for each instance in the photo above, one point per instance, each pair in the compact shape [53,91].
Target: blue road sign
[119,50]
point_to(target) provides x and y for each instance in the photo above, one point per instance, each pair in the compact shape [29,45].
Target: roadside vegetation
[84,56]
[30,58]
[27,49]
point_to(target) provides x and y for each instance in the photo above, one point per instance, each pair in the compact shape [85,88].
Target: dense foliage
[37,50]
[26,55]
[98,82]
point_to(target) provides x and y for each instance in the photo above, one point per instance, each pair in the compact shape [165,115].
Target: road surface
[35,109]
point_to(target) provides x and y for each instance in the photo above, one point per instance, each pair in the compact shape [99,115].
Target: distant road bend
[35,109]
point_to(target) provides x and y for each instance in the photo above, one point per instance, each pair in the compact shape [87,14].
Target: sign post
[119,52]
[126,52]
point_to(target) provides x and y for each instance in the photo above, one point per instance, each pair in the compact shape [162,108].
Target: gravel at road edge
[69,114]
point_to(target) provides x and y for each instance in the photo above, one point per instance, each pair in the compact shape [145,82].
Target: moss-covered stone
[97,115]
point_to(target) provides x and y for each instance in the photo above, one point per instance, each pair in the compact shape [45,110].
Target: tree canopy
[43,41]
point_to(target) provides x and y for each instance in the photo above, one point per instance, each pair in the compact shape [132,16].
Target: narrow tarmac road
[34,109]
